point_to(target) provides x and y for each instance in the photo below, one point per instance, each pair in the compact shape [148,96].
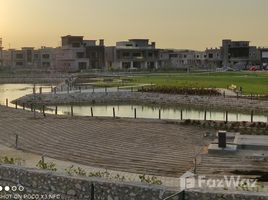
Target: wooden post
[34,112]
[252,116]
[51,89]
[226,116]
[43,158]
[135,113]
[181,115]
[72,111]
[159,117]
[33,90]
[6,102]
[195,164]
[56,110]
[23,106]
[113,113]
[16,105]
[91,110]
[16,141]
[44,111]
[205,117]
[40,90]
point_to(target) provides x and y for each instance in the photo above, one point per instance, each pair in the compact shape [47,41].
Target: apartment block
[181,59]
[133,54]
[29,57]
[77,54]
[239,53]
[264,58]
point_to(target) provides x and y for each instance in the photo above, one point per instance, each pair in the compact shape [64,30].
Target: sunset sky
[193,24]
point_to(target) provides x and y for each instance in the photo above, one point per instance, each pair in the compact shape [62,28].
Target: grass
[251,82]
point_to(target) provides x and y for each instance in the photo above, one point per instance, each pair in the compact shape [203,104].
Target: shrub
[150,180]
[46,165]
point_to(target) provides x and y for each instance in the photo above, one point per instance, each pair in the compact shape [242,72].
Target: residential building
[239,53]
[44,57]
[264,58]
[212,58]
[133,54]
[28,57]
[181,59]
[78,54]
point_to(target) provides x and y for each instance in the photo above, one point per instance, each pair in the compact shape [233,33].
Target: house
[77,54]
[133,54]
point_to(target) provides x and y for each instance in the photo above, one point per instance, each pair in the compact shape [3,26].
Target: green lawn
[251,82]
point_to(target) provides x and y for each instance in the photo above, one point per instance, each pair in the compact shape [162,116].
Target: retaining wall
[36,183]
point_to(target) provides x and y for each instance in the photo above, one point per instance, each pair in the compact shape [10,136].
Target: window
[19,63]
[94,54]
[45,56]
[126,54]
[76,45]
[19,56]
[80,54]
[46,64]
[136,54]
[82,65]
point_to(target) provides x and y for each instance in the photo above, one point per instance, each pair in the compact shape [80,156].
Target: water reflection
[153,113]
[14,91]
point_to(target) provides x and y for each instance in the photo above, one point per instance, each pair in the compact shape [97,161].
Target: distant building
[239,53]
[29,57]
[133,54]
[212,58]
[264,58]
[79,54]
[180,59]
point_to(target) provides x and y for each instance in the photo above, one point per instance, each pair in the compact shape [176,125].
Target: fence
[49,110]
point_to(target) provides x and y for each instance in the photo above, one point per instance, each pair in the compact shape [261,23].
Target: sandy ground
[152,147]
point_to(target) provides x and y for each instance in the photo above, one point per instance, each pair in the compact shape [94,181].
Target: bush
[10,160]
[150,180]
[46,165]
[180,90]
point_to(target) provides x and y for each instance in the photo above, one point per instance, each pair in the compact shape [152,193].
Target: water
[153,113]
[14,91]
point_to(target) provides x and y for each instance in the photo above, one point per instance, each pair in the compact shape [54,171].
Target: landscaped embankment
[172,100]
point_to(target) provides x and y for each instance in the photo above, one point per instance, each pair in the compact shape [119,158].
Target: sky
[182,24]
